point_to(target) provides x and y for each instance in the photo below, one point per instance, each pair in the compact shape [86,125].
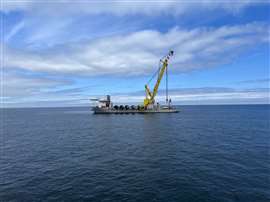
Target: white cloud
[49,23]
[10,5]
[14,30]
[202,96]
[16,86]
[126,7]
[138,53]
[28,90]
[33,96]
[49,30]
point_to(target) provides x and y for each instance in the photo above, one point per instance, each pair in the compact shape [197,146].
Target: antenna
[166,85]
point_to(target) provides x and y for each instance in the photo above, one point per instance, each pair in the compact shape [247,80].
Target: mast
[166,85]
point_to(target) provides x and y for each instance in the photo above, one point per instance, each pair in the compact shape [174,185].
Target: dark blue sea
[203,153]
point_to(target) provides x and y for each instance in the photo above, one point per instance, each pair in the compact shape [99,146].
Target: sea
[201,154]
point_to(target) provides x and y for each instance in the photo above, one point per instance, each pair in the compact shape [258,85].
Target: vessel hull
[113,111]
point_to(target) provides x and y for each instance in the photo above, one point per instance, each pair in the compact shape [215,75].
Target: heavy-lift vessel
[105,106]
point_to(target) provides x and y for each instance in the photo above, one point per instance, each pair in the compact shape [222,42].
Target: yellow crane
[150,96]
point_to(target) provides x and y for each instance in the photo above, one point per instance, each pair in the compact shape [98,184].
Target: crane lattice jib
[150,97]
[148,92]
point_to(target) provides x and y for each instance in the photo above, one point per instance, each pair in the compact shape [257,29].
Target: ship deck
[130,111]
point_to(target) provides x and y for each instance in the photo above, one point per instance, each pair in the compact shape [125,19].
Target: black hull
[113,111]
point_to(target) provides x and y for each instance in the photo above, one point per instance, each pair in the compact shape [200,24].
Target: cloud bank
[187,96]
[120,8]
[138,53]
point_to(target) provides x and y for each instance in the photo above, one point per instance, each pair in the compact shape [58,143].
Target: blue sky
[62,53]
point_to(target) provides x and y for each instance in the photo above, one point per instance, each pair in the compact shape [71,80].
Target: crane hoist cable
[167,85]
[158,70]
[154,75]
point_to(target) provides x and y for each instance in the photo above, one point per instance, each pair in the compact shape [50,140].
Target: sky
[63,53]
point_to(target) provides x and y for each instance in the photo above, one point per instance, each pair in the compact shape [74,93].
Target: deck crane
[105,106]
[150,96]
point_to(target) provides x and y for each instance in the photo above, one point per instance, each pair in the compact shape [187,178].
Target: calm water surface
[203,153]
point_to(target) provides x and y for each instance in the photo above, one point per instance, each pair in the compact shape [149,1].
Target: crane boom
[148,92]
[150,97]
